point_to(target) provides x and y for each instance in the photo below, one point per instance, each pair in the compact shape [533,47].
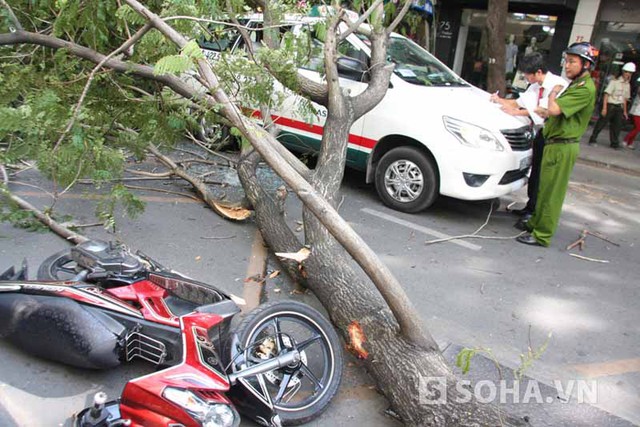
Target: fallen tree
[399,353]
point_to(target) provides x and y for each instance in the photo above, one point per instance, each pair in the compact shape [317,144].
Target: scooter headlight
[472,135]
[219,415]
[208,414]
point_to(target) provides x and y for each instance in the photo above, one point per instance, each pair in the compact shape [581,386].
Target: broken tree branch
[12,16]
[160,190]
[130,42]
[604,261]
[229,212]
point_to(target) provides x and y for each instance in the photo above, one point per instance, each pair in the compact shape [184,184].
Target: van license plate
[525,163]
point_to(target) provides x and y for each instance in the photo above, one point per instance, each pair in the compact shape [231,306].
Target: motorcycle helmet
[584,50]
[423,7]
[630,67]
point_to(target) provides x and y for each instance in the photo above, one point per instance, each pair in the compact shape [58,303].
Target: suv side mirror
[351,68]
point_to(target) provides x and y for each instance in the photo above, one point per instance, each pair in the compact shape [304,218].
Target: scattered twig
[583,235]
[12,16]
[19,170]
[5,177]
[130,42]
[55,226]
[74,225]
[579,242]
[151,174]
[124,179]
[600,236]
[218,238]
[160,190]
[32,186]
[193,153]
[226,211]
[205,161]
[210,151]
[475,235]
[486,221]
[604,261]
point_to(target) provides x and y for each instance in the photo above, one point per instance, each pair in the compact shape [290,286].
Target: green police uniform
[562,134]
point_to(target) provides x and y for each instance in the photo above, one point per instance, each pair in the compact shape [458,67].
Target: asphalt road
[491,293]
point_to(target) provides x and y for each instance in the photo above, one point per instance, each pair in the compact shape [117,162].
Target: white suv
[433,133]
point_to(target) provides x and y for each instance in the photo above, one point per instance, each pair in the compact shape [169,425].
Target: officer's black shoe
[521,212]
[528,239]
[521,224]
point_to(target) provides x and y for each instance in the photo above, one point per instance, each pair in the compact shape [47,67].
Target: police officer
[568,117]
[614,106]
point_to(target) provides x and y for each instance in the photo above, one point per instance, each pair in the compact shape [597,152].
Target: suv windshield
[416,65]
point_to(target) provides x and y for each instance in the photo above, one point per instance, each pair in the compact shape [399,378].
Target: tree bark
[496,23]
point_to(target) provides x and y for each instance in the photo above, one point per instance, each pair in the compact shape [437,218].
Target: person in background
[614,106]
[541,83]
[568,117]
[635,115]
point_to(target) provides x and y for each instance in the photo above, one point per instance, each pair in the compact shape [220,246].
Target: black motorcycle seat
[224,309]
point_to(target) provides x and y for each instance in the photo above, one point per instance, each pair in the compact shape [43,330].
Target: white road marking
[421,229]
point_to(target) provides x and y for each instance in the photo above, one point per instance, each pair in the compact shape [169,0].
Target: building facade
[546,26]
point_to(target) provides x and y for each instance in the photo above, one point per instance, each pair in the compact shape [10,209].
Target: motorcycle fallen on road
[98,305]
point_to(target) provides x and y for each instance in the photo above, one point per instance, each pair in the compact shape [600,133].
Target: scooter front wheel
[58,267]
[301,391]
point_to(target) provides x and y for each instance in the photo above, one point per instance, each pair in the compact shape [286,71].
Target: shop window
[618,43]
[525,33]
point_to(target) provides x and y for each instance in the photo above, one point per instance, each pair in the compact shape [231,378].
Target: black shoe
[522,212]
[528,239]
[521,224]
[593,144]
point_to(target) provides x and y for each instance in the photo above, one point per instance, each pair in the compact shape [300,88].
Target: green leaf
[192,50]
[463,359]
[173,64]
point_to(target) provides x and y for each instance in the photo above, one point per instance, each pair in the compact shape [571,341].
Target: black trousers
[615,118]
[534,176]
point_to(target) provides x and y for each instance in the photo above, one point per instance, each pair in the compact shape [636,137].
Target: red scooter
[99,305]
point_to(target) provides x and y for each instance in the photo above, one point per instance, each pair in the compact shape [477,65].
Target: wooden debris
[604,261]
[161,190]
[583,235]
[299,256]
[235,213]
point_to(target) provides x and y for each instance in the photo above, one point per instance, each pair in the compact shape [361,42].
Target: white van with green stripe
[432,134]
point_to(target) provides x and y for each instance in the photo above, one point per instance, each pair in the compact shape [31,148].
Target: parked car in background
[432,134]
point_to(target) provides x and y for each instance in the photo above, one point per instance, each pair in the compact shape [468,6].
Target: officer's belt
[560,141]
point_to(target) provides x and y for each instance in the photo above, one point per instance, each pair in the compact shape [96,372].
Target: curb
[605,165]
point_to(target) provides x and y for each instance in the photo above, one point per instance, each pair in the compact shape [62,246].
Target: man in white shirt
[541,82]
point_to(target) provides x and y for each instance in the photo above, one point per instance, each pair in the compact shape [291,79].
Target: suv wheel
[406,180]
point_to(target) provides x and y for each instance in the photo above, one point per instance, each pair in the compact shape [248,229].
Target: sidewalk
[602,155]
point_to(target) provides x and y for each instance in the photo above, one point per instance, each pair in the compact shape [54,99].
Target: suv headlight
[472,135]
[208,414]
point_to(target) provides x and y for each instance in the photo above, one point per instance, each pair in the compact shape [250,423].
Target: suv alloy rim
[403,181]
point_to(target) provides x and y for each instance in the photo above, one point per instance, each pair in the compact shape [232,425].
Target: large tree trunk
[496,22]
[400,368]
